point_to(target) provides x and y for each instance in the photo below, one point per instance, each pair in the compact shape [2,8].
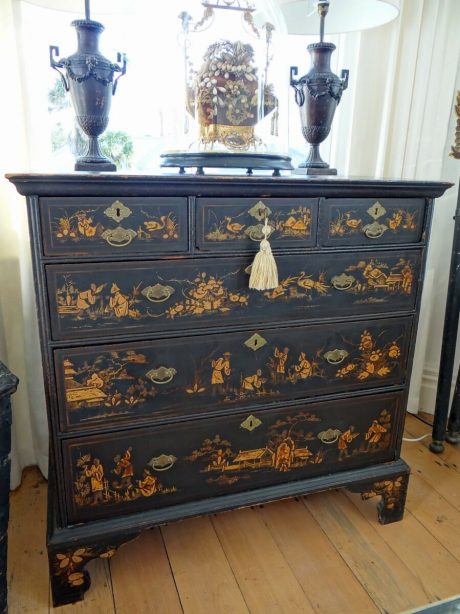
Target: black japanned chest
[175,390]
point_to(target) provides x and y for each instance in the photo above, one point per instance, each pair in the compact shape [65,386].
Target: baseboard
[429,387]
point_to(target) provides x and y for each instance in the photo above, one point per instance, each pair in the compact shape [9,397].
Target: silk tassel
[264,272]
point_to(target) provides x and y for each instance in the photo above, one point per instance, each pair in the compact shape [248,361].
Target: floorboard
[325,553]
[202,573]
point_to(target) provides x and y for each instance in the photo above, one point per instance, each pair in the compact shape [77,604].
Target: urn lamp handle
[299,95]
[57,65]
[344,75]
[121,57]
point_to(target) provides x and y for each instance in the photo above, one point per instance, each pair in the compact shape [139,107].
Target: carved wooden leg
[393,492]
[69,578]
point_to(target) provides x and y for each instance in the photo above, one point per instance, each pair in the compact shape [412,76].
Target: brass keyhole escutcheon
[255,342]
[376,210]
[117,211]
[251,423]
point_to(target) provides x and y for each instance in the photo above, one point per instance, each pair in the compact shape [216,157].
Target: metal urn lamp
[319,91]
[89,77]
[317,94]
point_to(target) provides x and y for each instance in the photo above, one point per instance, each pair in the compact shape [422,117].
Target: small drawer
[224,224]
[129,383]
[151,468]
[368,221]
[94,300]
[97,226]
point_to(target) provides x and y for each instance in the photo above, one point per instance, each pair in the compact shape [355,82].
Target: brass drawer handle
[255,233]
[374,230]
[119,236]
[335,357]
[162,462]
[157,293]
[162,375]
[343,281]
[330,436]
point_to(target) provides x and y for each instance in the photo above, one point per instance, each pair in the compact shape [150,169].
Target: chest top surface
[86,184]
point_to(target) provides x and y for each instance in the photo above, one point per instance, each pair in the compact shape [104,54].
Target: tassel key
[264,272]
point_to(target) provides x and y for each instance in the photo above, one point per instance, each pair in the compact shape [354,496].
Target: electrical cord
[415,439]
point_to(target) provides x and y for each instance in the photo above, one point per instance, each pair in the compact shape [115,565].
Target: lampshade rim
[300,20]
[88,23]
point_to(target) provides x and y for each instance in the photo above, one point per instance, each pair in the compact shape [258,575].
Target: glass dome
[230,100]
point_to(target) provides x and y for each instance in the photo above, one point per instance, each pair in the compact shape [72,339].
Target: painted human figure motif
[124,469]
[95,381]
[344,440]
[148,486]
[87,299]
[221,368]
[118,302]
[283,458]
[374,435]
[281,357]
[303,369]
[96,475]
[254,383]
[408,277]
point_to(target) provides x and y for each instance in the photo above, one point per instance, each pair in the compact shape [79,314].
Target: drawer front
[99,226]
[151,468]
[178,377]
[366,221]
[225,224]
[92,300]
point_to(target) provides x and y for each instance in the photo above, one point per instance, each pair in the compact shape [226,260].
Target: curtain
[19,347]
[396,124]
[393,121]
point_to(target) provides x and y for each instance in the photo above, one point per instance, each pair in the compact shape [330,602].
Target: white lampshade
[302,17]
[98,7]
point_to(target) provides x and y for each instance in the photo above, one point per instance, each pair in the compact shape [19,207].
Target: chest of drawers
[173,390]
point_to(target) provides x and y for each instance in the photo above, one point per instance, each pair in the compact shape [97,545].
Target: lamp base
[105,165]
[302,170]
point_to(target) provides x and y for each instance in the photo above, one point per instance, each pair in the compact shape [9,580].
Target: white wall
[438,269]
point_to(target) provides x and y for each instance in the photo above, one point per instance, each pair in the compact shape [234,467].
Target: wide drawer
[122,473]
[92,300]
[367,221]
[224,224]
[105,225]
[100,386]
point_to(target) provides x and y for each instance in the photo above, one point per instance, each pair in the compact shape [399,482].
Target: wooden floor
[324,553]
